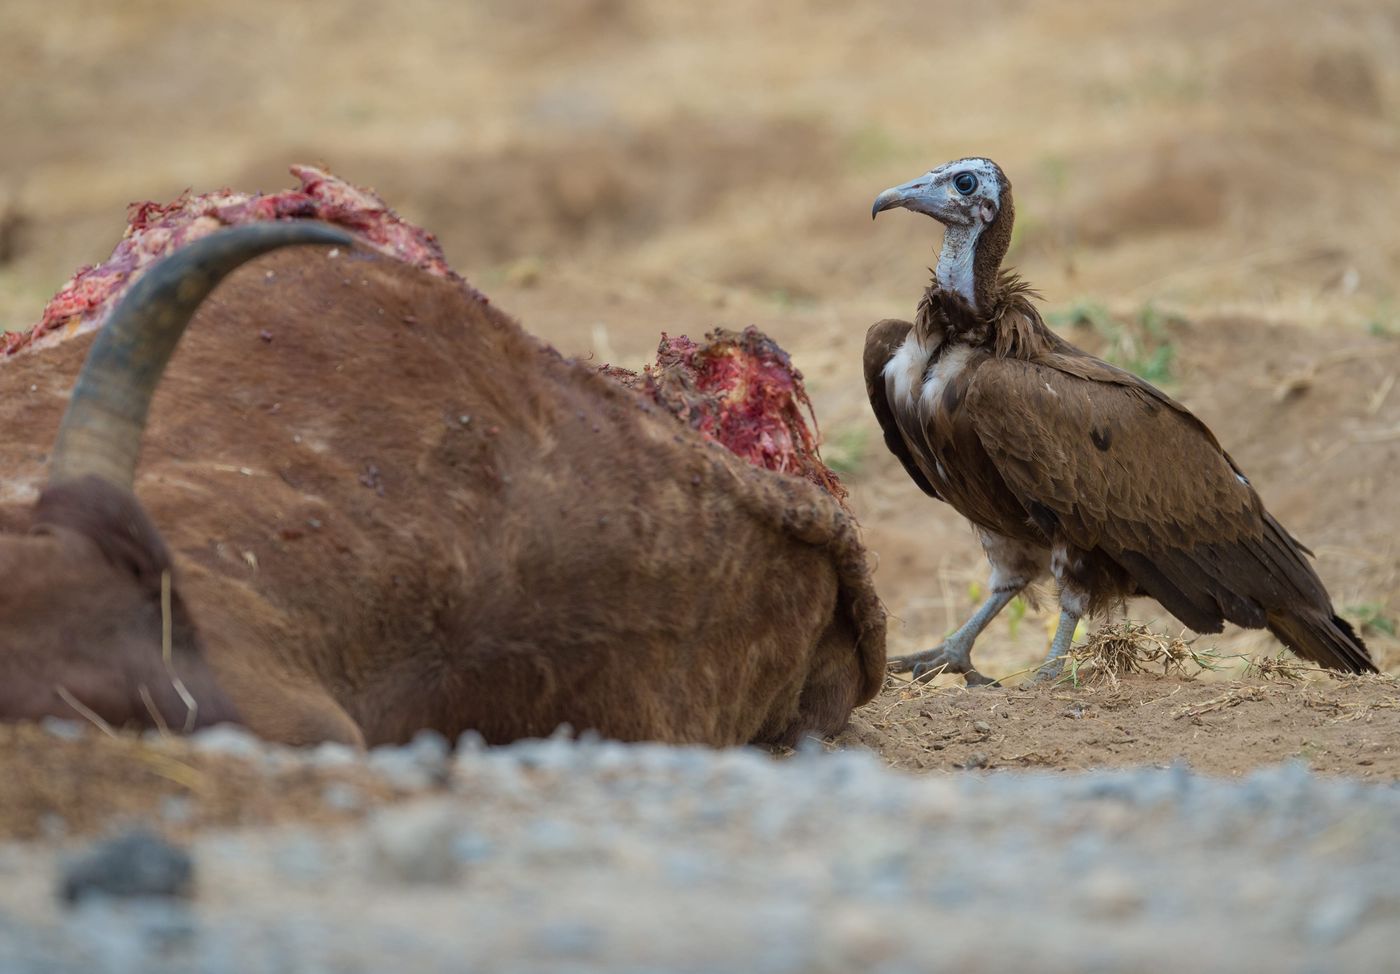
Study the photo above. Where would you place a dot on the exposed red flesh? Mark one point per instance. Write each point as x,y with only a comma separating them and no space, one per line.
156,229
740,390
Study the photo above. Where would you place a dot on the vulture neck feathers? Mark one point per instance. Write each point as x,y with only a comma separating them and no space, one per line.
972,301
969,263
1011,327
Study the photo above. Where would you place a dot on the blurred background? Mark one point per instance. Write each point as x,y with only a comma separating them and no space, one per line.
1206,192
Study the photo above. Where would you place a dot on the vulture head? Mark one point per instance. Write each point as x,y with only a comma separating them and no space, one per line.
972,199
962,193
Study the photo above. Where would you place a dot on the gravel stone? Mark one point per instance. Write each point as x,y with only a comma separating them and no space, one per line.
68,730
472,847
301,857
228,739
415,843
590,856
573,940
1333,920
342,797
53,826
138,863
331,754
177,810
417,766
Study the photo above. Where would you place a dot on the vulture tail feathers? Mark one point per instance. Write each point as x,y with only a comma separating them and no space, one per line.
1306,623
1163,580
1328,641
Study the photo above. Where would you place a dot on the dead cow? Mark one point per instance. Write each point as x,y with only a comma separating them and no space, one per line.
385,507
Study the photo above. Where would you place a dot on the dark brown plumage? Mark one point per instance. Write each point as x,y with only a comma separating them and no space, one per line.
1067,465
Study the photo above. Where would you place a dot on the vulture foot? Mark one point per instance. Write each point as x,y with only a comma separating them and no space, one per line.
954,654
1048,672
946,658
1054,664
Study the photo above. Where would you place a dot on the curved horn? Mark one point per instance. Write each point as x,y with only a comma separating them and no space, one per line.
101,431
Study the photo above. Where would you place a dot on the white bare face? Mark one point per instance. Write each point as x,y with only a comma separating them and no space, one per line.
963,195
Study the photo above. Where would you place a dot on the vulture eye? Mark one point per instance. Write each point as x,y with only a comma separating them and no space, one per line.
965,183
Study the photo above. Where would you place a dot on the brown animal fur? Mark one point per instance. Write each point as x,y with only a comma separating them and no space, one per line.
388,508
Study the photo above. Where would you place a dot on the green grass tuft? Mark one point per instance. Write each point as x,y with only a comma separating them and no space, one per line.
844,450
1142,345
1370,617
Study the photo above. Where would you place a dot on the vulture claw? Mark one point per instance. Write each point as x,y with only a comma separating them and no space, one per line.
921,664
934,662
902,664
1054,664
1048,672
926,671
974,679
954,654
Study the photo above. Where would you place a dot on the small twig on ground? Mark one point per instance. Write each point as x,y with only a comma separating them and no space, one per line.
1278,668
1379,396
1230,698
173,769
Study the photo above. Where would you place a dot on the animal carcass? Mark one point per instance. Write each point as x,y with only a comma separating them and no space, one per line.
368,503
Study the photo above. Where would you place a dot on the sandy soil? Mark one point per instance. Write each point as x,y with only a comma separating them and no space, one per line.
77,783
81,782
1228,728
1198,177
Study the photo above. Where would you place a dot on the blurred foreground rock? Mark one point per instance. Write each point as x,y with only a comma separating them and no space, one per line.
598,856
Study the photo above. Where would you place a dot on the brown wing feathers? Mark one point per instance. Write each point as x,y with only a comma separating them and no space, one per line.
881,341
1066,446
1127,471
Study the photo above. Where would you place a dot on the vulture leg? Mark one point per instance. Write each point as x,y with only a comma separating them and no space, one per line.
954,654
1015,564
1055,659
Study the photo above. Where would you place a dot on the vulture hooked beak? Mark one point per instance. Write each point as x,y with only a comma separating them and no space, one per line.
918,195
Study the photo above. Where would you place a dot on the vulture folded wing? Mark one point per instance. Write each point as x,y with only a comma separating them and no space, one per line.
1117,466
881,342
1105,461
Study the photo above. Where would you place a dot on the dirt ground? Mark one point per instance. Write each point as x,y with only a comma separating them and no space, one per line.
81,782
1204,191
1227,728
59,786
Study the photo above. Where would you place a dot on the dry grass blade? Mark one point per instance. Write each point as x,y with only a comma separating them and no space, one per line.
164,765
173,769
1274,668
166,638
88,714
909,688
1230,698
1120,648
153,710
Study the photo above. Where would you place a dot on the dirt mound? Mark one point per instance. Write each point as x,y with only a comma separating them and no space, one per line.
1337,77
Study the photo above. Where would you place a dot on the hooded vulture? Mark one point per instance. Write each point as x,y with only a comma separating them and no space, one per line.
1067,466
